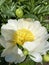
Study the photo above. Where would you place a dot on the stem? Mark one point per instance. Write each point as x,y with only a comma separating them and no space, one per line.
9,63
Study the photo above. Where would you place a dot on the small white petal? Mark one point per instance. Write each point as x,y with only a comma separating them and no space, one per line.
19,59
8,50
35,26
13,54
7,34
30,46
8,29
41,32
46,47
2,41
10,58
43,47
12,21
16,50
19,55
23,23
36,57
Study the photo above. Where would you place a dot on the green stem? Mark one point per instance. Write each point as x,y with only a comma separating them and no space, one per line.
9,63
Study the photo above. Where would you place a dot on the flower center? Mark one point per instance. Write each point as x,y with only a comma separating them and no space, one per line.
23,35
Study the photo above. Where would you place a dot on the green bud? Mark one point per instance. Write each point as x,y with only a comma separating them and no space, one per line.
19,12
25,52
46,58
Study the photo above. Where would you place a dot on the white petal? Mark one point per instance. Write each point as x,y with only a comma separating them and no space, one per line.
20,56
6,51
42,31
13,54
10,58
35,26
43,47
30,46
16,58
23,23
46,47
36,57
7,30
12,21
19,59
47,37
2,41
44,37
16,50
38,30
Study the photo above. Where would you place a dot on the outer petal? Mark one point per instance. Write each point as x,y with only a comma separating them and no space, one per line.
24,23
10,58
43,47
7,51
2,41
13,54
19,55
8,29
30,46
41,32
38,30
35,26
36,57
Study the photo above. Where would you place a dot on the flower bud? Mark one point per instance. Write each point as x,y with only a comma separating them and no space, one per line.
46,58
19,12
25,52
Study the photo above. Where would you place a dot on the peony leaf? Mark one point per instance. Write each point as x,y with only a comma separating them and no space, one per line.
28,61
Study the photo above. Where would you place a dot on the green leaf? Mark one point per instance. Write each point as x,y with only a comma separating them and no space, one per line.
28,62
41,8
36,8
31,16
1,2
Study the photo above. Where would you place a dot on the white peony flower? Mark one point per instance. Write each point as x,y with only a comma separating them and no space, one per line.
30,34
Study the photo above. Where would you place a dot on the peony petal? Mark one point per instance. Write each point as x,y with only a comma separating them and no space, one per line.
10,58
23,23
6,51
2,41
19,59
43,47
8,29
46,47
41,32
36,57
13,54
20,56
30,46
38,30
16,50
35,26
12,21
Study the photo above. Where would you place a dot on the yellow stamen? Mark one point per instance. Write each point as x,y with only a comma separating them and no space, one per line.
23,35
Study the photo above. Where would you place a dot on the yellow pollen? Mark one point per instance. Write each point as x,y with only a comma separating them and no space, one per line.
22,35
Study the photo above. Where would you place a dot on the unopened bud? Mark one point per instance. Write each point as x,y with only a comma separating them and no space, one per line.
25,52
